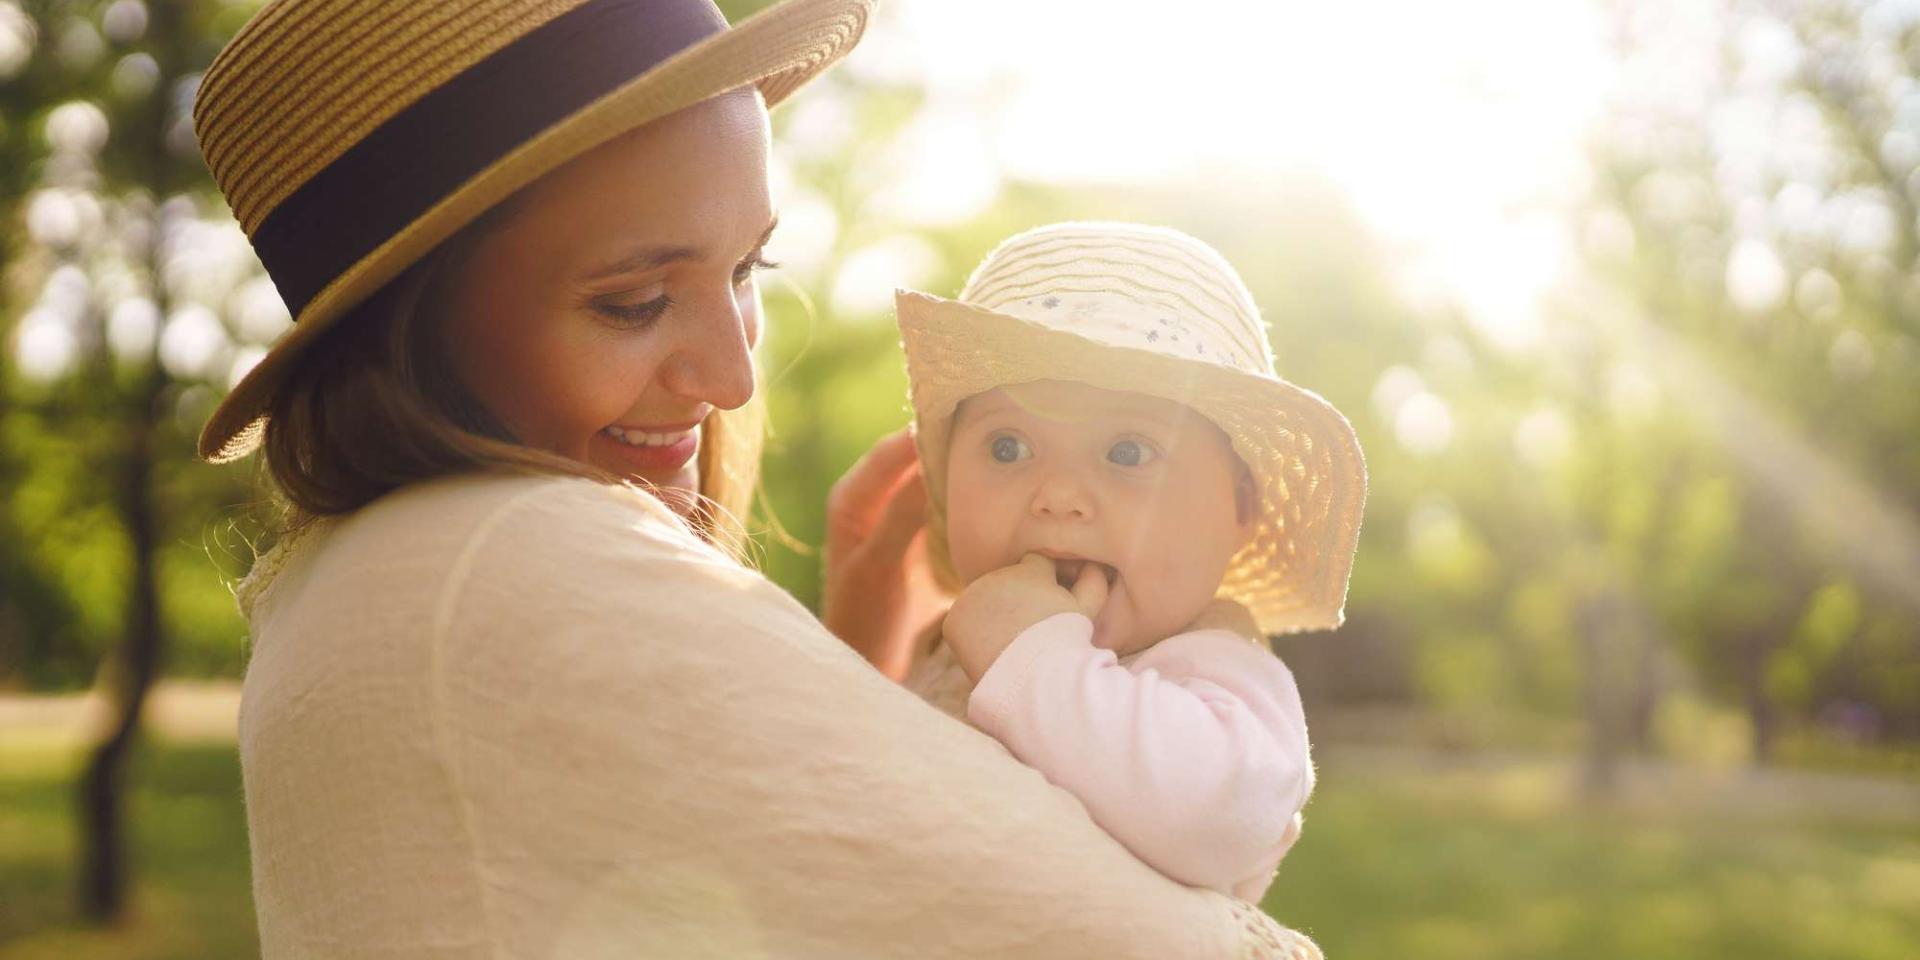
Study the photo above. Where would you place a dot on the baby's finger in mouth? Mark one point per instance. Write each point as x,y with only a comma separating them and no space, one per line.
1090,587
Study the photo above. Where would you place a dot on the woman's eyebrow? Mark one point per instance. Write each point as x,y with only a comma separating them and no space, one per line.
652,258
646,259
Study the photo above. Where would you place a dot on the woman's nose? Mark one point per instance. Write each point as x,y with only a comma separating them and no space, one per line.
1062,497
714,364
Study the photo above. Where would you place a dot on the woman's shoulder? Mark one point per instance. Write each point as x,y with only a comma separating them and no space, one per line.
408,543
505,513
470,500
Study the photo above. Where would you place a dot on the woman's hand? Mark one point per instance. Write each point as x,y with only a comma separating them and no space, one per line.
879,592
1002,604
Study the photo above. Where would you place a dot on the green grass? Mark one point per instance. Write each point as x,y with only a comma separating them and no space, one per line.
1511,863
188,857
1400,858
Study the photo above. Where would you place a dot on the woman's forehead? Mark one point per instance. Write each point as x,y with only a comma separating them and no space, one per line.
694,180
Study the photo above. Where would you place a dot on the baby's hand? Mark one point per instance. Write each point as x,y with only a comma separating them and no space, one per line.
1225,614
998,606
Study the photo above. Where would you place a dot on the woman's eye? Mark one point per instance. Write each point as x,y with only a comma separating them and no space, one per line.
634,314
1010,450
751,265
1131,453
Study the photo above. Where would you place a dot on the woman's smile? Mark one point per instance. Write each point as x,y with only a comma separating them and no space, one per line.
649,452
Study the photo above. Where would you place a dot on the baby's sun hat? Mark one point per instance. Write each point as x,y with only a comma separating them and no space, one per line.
1150,310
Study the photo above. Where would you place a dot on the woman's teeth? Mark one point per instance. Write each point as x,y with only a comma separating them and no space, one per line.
636,438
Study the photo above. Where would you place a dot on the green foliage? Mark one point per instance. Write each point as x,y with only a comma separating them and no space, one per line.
1483,559
1795,343
1633,531
73,439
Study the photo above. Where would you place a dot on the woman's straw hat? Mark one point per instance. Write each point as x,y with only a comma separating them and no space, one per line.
352,136
1154,311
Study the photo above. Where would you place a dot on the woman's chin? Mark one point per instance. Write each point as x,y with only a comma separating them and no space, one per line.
678,489
676,466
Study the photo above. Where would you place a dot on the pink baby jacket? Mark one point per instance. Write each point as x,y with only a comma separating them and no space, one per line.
1193,753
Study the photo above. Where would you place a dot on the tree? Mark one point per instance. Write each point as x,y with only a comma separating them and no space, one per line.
108,350
1753,244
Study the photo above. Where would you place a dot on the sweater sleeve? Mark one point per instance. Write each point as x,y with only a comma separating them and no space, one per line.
1195,758
659,753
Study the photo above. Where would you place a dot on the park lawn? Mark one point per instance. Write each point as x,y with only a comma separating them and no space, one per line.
1396,861
1509,862
187,829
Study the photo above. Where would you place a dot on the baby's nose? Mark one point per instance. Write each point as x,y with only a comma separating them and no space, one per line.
1062,498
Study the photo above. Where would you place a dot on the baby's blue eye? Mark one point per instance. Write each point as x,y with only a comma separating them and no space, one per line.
1129,453
1009,450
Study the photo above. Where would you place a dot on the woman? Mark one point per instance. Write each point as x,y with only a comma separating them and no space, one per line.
510,694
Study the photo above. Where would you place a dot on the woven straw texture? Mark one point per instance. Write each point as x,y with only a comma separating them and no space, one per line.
1268,940
301,83
1129,308
305,80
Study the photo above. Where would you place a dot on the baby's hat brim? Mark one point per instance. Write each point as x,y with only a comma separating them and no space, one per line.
1305,457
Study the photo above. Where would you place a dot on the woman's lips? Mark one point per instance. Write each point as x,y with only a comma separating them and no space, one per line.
651,456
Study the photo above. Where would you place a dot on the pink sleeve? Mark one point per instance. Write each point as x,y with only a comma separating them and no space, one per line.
1195,758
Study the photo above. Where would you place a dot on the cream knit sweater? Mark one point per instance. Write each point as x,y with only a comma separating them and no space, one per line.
510,717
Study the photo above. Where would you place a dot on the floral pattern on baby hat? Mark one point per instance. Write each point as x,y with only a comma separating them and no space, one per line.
1114,318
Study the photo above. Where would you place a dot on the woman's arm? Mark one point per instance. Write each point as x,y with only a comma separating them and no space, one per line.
658,751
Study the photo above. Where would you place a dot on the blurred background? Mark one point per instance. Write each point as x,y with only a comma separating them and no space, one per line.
1621,298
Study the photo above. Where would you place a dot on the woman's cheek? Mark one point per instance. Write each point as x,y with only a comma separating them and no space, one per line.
622,374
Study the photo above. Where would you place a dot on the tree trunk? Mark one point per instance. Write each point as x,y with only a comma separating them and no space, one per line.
1647,692
104,874
1601,654
1761,717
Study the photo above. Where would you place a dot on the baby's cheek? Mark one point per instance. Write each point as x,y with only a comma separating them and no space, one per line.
978,536
1185,588
1152,599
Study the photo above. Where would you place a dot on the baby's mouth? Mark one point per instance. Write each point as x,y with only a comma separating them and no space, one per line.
1066,571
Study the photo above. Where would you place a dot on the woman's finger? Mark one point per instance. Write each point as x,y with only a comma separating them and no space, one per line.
858,498
1090,589
905,512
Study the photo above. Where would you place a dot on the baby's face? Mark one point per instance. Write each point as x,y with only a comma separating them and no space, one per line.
1145,487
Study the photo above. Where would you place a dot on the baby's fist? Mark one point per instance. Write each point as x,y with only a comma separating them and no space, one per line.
998,606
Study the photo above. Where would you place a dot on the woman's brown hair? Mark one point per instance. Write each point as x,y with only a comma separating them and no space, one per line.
376,406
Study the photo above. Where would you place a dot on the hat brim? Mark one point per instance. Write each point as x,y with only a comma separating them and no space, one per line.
777,50
1305,457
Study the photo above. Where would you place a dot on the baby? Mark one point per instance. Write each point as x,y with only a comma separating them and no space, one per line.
1103,436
